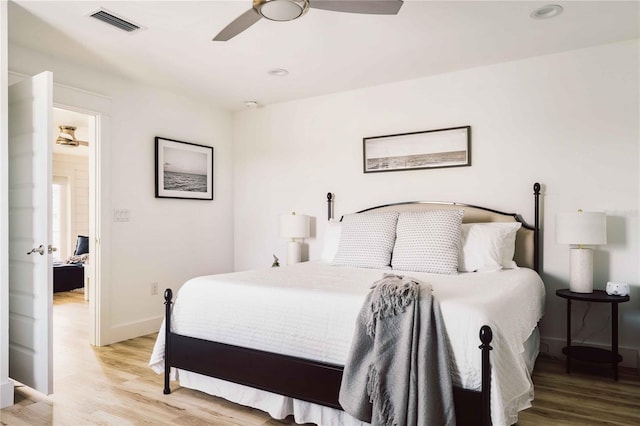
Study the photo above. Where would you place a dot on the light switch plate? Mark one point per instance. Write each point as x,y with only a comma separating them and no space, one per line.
121,215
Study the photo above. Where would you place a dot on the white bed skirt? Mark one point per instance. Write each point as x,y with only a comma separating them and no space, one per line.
277,406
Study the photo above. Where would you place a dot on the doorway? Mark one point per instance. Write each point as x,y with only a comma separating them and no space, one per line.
73,137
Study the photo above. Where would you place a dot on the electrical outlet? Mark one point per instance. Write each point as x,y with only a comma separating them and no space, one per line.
154,289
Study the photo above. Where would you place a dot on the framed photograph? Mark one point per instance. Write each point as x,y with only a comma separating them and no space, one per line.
430,149
183,170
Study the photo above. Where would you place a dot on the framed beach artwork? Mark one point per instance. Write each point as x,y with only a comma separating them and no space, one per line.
429,149
183,170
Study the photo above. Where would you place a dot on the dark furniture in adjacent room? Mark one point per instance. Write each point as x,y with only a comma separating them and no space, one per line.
69,276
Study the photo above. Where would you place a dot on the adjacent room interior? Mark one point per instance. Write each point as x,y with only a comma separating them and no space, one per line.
71,136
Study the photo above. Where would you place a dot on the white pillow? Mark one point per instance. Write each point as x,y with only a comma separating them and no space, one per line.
488,246
367,240
428,241
331,240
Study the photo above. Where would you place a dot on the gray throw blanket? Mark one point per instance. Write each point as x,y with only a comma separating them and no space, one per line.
397,372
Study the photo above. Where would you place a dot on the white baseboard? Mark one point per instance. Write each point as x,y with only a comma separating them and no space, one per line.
553,347
6,394
127,331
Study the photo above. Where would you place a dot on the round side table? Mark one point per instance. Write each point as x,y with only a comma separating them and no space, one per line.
586,353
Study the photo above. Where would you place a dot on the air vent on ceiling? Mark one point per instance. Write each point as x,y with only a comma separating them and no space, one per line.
117,22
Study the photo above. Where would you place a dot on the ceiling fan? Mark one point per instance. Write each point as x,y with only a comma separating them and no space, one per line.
67,137
288,10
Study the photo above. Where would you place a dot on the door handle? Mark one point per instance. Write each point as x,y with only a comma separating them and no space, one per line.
51,249
37,250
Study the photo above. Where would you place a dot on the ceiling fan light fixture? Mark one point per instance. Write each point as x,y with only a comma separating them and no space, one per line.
67,142
281,10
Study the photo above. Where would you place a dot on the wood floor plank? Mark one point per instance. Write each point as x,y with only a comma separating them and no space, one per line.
113,385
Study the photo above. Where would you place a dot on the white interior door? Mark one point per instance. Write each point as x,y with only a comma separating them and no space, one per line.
30,275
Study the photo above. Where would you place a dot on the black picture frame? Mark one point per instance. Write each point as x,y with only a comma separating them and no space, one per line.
429,149
183,170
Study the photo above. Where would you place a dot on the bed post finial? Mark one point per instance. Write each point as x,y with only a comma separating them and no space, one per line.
329,205
168,295
536,230
486,336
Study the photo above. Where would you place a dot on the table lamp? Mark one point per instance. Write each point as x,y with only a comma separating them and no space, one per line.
294,226
581,229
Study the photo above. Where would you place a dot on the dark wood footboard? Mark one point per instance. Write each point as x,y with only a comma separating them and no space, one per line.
299,378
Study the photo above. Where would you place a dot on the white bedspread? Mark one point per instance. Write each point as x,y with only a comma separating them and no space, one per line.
309,310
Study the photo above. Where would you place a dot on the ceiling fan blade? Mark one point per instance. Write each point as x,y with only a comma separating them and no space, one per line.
240,24
83,143
372,7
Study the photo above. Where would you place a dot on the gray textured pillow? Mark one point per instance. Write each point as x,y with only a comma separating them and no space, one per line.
367,240
428,241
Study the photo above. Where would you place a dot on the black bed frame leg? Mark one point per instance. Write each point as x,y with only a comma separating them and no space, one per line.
486,336
168,295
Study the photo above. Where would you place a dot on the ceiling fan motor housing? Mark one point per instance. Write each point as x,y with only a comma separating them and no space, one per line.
287,10
67,136
281,10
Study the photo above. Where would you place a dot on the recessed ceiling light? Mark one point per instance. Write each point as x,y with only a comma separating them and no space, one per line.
547,11
251,104
278,72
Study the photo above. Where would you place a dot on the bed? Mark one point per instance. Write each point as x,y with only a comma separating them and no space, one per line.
258,360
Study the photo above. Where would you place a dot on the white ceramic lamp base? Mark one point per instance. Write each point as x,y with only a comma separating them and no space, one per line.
294,252
581,270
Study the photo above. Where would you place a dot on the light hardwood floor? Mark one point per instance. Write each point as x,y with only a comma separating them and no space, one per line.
114,386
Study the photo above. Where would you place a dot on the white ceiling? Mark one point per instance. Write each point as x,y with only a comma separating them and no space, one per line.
325,52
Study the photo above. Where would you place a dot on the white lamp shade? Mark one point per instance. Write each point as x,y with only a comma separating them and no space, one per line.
294,226
581,228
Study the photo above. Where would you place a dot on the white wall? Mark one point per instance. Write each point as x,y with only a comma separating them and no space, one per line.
569,121
166,241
